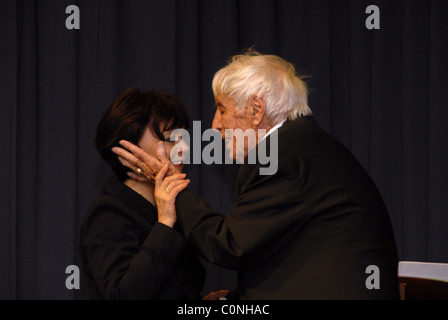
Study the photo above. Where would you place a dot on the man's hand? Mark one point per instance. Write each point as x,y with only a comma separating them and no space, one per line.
144,166
216,295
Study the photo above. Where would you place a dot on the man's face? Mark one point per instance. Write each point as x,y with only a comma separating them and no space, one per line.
227,119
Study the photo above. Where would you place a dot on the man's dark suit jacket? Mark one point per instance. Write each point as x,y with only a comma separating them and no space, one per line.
309,231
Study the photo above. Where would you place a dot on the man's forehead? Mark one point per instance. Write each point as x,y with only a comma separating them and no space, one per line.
222,100
218,99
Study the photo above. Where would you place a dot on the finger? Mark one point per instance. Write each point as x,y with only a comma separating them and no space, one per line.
169,184
161,175
175,183
220,294
126,163
137,177
151,165
138,152
174,177
164,158
176,190
216,295
161,151
173,170
127,158
133,175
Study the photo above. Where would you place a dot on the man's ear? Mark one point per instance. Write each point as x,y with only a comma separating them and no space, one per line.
258,109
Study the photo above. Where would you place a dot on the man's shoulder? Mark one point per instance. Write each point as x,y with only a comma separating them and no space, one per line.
298,129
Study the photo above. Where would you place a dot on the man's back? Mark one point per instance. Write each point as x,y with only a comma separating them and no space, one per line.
339,227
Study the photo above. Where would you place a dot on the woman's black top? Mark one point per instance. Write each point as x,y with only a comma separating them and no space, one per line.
127,254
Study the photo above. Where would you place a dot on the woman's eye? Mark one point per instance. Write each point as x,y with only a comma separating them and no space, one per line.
167,140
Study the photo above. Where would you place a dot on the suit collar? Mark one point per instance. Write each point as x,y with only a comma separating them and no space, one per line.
132,199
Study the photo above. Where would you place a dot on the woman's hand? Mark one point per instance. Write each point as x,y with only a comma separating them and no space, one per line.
166,190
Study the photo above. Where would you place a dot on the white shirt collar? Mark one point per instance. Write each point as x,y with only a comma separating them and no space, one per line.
276,127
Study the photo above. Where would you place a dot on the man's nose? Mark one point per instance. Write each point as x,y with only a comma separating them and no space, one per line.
216,124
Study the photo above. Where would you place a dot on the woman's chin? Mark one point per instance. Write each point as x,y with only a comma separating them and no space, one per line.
179,167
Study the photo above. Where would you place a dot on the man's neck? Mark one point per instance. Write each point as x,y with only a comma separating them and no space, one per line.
271,129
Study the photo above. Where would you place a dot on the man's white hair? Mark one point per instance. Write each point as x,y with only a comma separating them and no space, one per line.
270,78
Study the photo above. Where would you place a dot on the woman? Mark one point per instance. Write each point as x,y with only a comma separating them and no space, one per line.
129,250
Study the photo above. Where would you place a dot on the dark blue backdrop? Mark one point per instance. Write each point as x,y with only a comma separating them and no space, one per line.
383,93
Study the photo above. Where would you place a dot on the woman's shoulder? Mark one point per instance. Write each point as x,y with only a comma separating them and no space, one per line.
104,210
117,197
119,204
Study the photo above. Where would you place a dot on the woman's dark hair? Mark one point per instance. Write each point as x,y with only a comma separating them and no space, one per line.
129,115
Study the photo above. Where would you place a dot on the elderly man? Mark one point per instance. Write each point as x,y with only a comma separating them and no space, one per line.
315,229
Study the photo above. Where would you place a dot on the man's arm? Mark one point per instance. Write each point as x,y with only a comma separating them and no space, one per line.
268,213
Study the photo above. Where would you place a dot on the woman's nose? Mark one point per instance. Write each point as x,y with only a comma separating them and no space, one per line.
182,149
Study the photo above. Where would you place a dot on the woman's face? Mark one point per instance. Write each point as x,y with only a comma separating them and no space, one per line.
149,141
